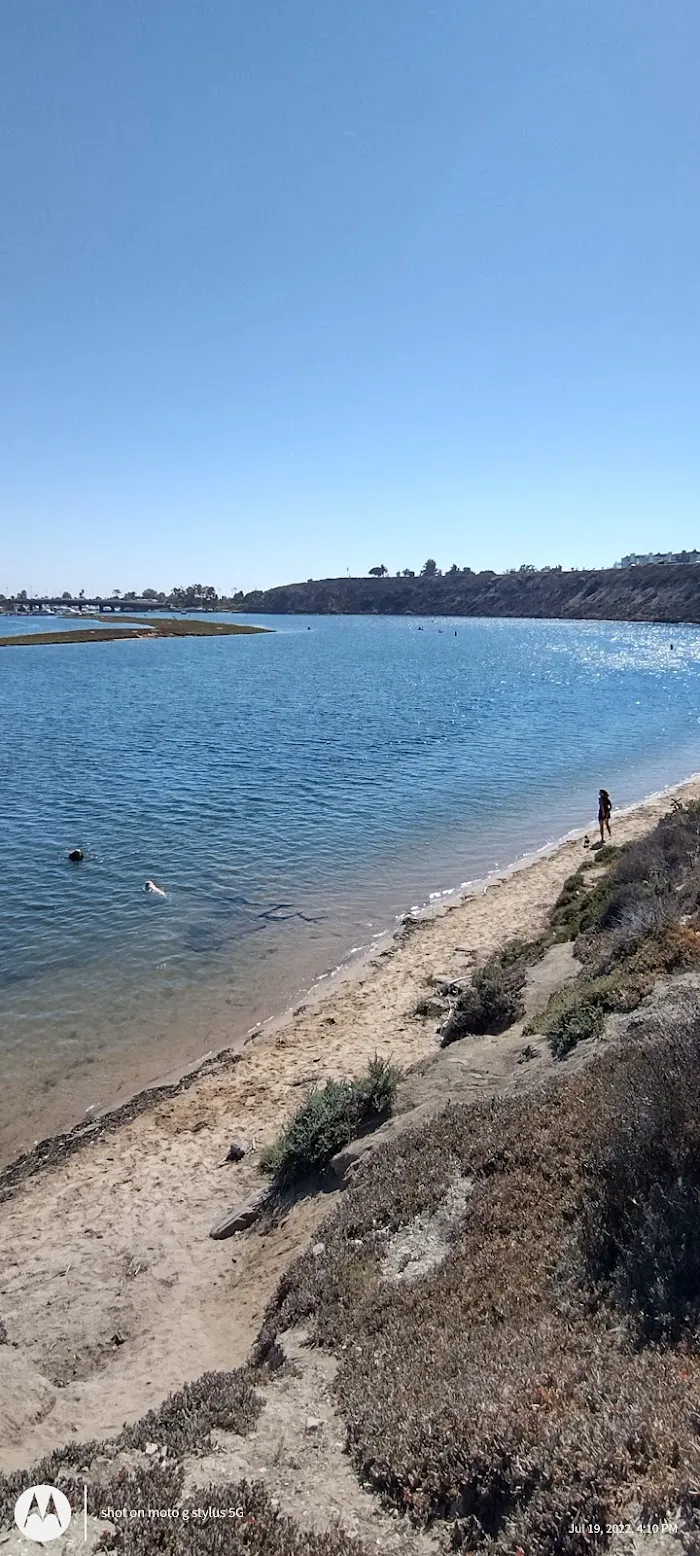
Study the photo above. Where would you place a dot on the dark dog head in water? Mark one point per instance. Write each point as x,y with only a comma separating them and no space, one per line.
75,855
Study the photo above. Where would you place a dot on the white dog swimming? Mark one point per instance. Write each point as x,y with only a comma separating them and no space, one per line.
151,886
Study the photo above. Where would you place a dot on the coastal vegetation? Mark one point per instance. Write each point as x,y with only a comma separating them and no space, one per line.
637,922
540,1383
526,1377
143,1469
493,999
157,627
658,592
633,916
328,1119
190,597
662,591
640,1230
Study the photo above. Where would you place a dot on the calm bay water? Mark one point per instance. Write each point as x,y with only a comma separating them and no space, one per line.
292,794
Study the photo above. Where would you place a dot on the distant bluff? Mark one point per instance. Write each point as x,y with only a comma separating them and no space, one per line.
660,592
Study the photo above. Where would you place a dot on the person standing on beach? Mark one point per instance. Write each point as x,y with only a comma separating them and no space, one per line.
604,813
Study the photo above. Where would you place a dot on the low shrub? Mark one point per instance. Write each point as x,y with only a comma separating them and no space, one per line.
604,855
644,921
623,903
629,929
465,1018
490,1004
259,1528
497,1396
185,1420
641,1222
664,861
643,861
668,853
521,953
575,1024
493,1000
578,1011
578,905
499,998
329,1118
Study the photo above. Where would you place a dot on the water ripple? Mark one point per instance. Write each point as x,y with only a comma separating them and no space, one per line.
290,791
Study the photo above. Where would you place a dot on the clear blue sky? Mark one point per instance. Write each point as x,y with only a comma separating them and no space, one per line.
292,287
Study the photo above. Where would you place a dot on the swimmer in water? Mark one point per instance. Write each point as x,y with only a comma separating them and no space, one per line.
151,886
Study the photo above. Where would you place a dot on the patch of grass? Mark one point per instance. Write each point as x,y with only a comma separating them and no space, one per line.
493,1000
329,1118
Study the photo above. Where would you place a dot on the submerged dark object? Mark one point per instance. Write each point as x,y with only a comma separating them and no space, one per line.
75,855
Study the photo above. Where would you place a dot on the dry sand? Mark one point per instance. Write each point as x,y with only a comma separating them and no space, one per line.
111,1291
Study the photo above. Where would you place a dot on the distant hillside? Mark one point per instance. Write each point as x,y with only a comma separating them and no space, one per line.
655,593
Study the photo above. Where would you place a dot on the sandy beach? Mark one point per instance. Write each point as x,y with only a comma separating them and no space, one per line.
111,1291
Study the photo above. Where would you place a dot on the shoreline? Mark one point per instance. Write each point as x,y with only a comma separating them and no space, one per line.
180,1077
112,1292
137,630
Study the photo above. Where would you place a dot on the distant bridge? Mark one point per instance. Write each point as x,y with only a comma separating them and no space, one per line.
41,602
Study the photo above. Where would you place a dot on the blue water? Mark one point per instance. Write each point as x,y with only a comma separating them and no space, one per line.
292,793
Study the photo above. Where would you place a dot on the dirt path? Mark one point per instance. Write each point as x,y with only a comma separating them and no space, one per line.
298,1449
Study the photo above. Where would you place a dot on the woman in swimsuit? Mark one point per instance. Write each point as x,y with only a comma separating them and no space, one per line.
604,813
